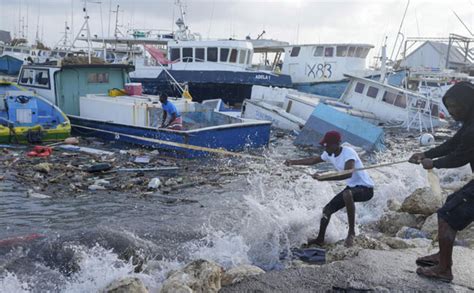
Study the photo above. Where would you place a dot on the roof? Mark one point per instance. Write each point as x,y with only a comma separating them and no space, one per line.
455,55
5,37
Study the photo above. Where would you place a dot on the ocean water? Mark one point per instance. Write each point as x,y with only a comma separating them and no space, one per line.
87,241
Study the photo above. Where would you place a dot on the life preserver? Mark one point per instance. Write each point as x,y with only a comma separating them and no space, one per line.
40,151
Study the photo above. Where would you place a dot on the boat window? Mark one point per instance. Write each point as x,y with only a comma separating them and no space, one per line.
372,92
27,76
199,55
242,56
224,54
433,84
328,51
295,51
17,50
359,88
389,97
318,52
62,54
341,51
401,101
35,77
233,56
98,78
365,52
248,57
187,54
434,110
33,53
359,52
212,54
351,52
27,51
8,49
175,54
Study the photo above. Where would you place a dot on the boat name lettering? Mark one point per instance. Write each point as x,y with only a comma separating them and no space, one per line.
262,76
320,70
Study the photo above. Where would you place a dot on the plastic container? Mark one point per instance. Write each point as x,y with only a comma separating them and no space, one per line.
134,89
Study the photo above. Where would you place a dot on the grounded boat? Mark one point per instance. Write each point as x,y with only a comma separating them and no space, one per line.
210,69
290,109
392,104
28,118
86,94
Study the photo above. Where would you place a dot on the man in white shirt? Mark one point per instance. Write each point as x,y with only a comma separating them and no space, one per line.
360,186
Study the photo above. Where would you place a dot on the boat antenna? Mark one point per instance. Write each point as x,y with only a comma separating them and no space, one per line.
85,27
399,33
37,37
459,18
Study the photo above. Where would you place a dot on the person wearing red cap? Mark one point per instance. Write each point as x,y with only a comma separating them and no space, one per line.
360,186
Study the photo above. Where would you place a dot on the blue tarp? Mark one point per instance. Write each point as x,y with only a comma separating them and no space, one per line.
354,130
10,65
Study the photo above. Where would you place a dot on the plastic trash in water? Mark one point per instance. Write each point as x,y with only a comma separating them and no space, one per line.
142,160
154,183
426,139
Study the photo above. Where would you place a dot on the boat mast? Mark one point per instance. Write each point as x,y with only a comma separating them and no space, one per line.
85,27
399,33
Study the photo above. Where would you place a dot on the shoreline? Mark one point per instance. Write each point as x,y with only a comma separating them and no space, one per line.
370,270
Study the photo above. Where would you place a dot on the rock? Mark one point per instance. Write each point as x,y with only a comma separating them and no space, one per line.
198,276
126,285
340,252
390,223
393,205
430,227
396,243
43,167
410,233
466,236
154,183
239,273
421,201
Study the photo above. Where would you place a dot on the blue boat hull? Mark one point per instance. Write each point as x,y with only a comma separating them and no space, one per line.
10,65
179,143
353,129
231,87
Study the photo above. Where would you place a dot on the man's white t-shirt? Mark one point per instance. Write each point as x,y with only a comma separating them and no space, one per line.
358,177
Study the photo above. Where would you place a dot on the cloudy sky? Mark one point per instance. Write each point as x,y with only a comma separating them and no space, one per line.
295,21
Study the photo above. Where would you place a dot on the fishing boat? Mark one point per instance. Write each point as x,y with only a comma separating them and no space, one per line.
88,94
28,118
393,105
289,109
210,69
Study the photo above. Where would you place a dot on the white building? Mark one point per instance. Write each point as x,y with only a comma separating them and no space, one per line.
436,55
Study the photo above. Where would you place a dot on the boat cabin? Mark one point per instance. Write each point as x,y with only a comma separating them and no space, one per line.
324,62
230,55
390,103
64,85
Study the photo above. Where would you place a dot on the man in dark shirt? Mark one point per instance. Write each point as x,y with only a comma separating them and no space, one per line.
458,211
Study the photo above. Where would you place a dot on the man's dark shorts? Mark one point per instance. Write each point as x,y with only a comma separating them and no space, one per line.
359,194
458,210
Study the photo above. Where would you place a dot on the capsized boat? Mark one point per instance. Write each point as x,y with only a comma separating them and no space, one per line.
28,118
87,94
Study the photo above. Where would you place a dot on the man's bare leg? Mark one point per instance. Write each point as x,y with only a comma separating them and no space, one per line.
350,207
